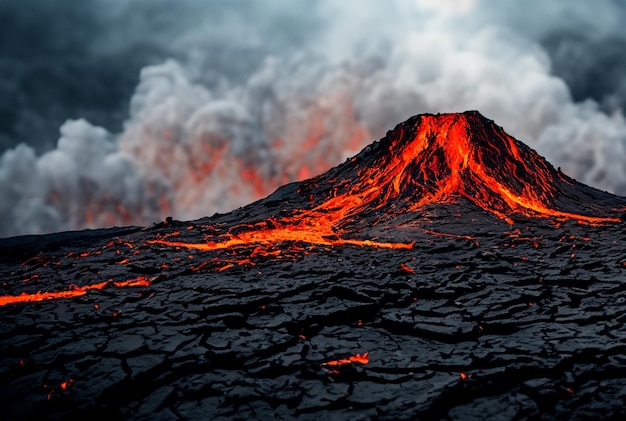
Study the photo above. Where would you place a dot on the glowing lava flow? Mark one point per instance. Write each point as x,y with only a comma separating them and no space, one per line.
319,235
74,292
430,159
358,358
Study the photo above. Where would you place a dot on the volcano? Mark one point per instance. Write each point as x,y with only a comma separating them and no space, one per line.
446,271
441,158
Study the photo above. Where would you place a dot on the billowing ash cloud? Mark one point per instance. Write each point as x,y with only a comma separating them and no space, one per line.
211,105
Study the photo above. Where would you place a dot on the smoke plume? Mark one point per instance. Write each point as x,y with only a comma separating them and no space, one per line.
206,106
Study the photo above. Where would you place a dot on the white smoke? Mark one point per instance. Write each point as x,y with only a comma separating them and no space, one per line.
202,137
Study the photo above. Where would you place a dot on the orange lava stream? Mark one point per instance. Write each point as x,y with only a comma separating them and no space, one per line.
358,358
445,234
74,292
277,235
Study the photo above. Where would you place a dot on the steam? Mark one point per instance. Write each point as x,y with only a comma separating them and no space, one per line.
243,99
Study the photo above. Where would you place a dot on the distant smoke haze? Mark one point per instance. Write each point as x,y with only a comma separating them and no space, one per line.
124,112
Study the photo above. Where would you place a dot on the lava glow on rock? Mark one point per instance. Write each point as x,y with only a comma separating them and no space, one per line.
439,158
358,358
73,291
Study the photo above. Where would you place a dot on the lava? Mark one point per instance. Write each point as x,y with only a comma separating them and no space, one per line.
358,358
76,291
405,269
273,236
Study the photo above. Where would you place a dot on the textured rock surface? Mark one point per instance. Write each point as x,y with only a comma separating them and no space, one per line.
532,314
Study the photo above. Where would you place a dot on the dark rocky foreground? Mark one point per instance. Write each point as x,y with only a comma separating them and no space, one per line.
523,321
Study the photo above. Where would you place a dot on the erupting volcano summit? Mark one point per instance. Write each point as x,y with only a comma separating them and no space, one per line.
445,272
437,159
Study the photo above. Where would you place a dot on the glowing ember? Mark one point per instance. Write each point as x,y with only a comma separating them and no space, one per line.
405,269
61,387
66,385
358,358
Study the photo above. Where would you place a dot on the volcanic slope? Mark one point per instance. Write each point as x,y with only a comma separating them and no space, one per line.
439,158
445,272
427,160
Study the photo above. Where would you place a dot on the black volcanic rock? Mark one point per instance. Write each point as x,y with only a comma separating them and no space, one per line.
390,287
